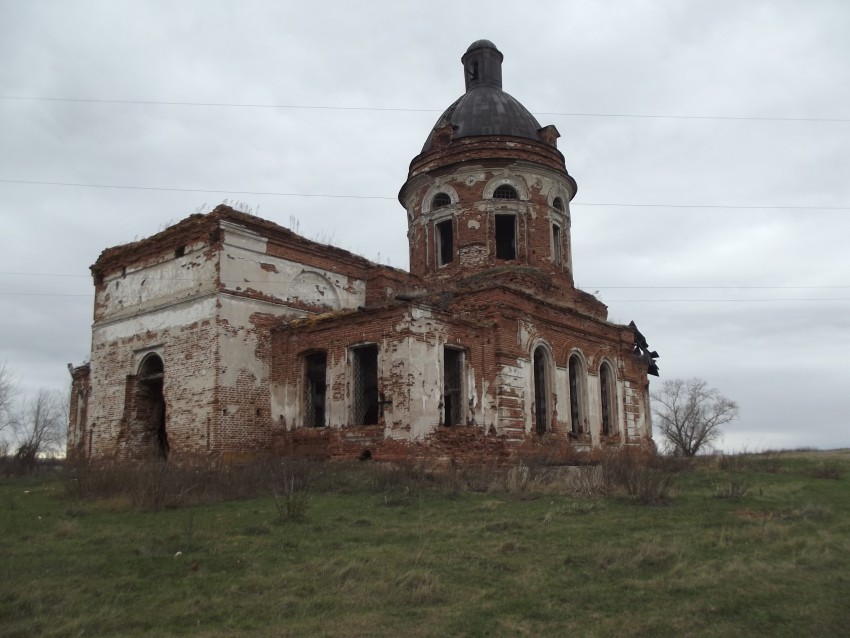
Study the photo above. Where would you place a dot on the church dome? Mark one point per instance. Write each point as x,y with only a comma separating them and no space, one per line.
485,109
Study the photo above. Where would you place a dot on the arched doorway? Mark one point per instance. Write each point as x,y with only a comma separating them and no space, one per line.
542,412
150,407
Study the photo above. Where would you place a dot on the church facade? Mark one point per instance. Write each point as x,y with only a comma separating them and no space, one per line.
227,335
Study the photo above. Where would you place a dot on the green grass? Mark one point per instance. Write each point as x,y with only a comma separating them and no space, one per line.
371,555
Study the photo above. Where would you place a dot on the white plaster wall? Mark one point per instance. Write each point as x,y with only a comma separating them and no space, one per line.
154,319
246,266
512,385
594,408
561,403
640,425
286,400
167,282
416,400
238,339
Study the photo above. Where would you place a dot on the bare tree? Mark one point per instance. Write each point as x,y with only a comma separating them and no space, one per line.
8,391
691,414
40,427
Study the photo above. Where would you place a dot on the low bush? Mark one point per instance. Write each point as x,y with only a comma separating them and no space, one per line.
732,489
645,479
826,470
149,485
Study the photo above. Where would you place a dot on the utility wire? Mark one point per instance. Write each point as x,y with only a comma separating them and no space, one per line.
385,197
411,110
607,301
189,190
583,287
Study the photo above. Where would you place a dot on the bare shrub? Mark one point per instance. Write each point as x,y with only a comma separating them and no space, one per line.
732,463
290,495
406,477
474,478
579,480
735,490
157,484
637,475
291,504
826,470
768,461
517,478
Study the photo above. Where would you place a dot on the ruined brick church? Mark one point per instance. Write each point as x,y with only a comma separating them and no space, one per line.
227,335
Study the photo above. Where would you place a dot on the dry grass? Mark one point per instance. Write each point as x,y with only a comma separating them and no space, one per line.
425,550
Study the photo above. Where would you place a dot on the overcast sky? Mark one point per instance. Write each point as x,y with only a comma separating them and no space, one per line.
710,141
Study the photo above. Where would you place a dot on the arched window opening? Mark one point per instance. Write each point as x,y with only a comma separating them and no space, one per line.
445,245
556,244
541,390
607,391
440,200
576,374
558,204
150,407
505,191
505,237
315,369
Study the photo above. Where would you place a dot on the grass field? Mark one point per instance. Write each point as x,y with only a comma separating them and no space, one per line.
743,546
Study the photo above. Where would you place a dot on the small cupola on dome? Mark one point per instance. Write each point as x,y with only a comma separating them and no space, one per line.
482,64
485,109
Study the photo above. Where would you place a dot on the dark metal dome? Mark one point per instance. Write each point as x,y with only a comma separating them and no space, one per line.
485,109
481,44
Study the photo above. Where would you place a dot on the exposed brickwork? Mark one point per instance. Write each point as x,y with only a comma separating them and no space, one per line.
484,352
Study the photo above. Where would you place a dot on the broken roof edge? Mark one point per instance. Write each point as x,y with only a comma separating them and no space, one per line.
199,225
434,302
442,303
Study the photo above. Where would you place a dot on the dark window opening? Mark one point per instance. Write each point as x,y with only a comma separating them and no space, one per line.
180,251
440,201
576,387
473,71
541,391
556,244
452,386
505,237
314,401
606,387
558,204
366,385
505,191
445,249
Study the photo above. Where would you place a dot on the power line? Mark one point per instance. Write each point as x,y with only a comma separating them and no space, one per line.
583,287
42,294
40,274
410,110
607,301
386,197
712,287
189,190
723,206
